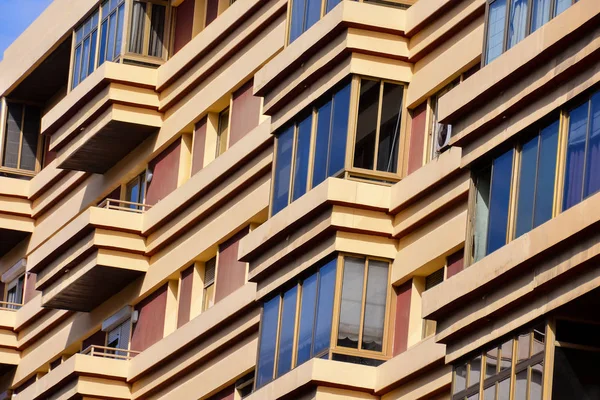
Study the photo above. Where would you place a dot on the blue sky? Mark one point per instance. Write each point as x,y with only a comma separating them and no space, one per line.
15,17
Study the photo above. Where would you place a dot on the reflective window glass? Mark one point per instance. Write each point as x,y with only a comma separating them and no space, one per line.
389,135
499,201
517,23
544,198
495,28
540,13
286,335
351,307
573,187
268,339
322,143
307,319
339,130
592,164
375,302
366,130
302,153
283,165
325,307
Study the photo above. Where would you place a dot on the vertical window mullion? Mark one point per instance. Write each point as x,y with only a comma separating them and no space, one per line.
311,149
296,325
276,357
316,307
585,149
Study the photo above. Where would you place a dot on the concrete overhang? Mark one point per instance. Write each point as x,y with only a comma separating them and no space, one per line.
90,259
16,222
350,28
82,375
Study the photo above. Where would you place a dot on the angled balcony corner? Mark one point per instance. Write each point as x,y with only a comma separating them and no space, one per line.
104,118
16,223
90,259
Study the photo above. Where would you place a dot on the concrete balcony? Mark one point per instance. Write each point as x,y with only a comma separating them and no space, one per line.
89,260
15,213
104,118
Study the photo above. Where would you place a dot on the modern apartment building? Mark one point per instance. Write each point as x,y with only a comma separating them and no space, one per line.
301,199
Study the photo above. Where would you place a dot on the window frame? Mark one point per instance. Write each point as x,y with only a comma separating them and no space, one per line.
167,33
4,104
507,23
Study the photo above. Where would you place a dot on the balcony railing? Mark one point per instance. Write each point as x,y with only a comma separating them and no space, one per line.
7,305
123,205
110,352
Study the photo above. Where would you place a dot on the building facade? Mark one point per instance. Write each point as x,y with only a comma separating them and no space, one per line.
301,199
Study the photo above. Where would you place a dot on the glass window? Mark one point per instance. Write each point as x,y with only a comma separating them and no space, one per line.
351,304
135,192
268,340
540,13
85,60
517,23
302,153
14,292
495,30
482,211
561,5
372,338
307,319
324,308
499,201
222,132
286,336
21,137
305,13
208,295
283,166
147,12
378,125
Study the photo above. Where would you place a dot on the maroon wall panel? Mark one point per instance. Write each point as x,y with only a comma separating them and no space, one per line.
417,139
184,22
30,291
97,339
185,296
402,317
455,263
199,145
245,112
225,394
49,156
231,273
150,326
165,169
212,11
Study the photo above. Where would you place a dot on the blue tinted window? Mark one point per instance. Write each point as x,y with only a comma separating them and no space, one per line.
119,33
527,176
313,13
331,4
495,27
112,28
592,167
339,130
307,319
102,53
286,336
575,156
517,23
544,198
389,131
77,66
302,152
283,164
499,201
92,61
561,5
324,307
268,339
482,214
322,144
540,13
297,19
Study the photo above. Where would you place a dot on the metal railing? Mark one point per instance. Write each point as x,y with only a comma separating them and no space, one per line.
109,352
7,305
123,205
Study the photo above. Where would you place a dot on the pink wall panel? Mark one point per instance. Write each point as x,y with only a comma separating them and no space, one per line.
150,326
417,139
245,112
402,317
165,169
184,22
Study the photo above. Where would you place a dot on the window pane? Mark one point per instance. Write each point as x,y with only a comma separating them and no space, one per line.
103,38
499,201
157,31
495,36
286,338
523,346
112,31
592,164
540,14
506,355
331,4
92,60
475,372
119,33
313,13
526,193
375,306
504,390
474,397
575,156
544,198
297,21
307,318
521,385
561,5
539,336
491,362
14,122
77,66
136,37
364,147
460,379
352,294
482,213
301,165
535,386
389,134
324,307
322,144
283,163
31,133
490,393
268,339
85,58
517,23
339,131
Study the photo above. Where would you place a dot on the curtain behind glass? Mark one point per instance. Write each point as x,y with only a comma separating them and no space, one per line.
540,14
157,31
136,38
518,22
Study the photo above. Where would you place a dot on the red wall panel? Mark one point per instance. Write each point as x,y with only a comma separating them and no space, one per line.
30,291
231,273
417,138
402,317
212,11
150,326
245,112
199,145
455,263
185,296
184,22
165,169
